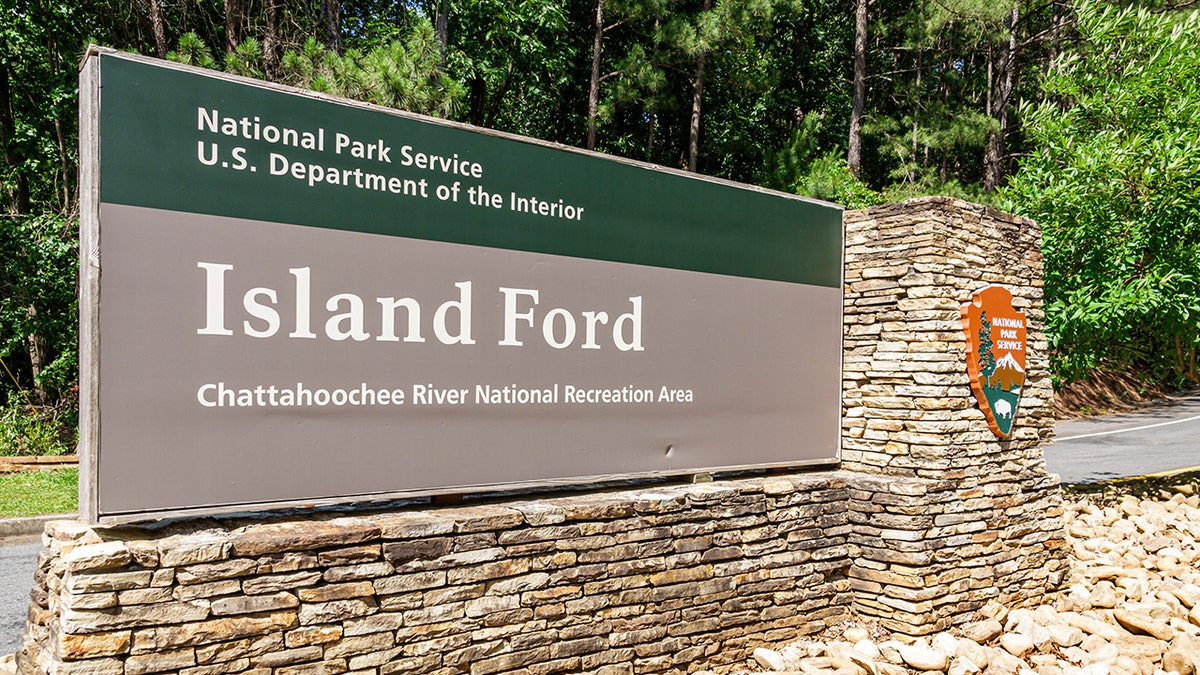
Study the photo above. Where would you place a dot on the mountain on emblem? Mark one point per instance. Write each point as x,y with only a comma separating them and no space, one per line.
995,334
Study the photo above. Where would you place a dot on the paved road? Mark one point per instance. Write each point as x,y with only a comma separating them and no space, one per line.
18,560
1162,439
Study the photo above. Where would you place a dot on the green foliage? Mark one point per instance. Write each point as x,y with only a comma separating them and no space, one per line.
521,64
37,493
830,179
927,185
193,52
1115,185
30,433
400,73
802,168
38,257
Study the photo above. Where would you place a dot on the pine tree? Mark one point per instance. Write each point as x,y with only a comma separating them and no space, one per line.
987,360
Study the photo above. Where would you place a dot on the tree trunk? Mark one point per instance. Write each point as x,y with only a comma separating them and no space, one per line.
594,85
157,30
857,109
477,101
916,110
1003,82
271,41
331,22
7,132
442,27
1060,15
37,358
697,99
235,23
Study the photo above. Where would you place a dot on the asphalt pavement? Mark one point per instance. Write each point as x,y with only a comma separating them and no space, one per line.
1162,439
18,560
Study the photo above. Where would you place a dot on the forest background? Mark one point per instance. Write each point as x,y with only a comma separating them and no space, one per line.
1081,114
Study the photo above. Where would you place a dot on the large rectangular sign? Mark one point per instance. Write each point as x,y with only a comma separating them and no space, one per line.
292,299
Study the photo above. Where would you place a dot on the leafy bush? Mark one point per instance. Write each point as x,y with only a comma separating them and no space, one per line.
38,260
1115,185
800,168
26,432
829,178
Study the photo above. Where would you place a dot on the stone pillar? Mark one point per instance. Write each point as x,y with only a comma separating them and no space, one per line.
945,515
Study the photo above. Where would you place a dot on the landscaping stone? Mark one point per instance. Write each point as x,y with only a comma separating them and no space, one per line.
1116,546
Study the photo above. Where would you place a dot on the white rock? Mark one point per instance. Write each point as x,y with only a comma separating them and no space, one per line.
963,667
856,634
1039,637
1183,655
890,652
923,658
769,659
945,643
1064,635
983,631
1188,594
867,649
973,652
1016,644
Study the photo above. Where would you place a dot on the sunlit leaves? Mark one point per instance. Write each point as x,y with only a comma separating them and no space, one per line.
1116,187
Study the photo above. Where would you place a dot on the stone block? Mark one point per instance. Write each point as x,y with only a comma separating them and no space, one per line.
256,540
206,572
349,555
262,585
100,582
287,657
238,649
335,610
413,525
160,661
102,556
77,647
183,550
313,635
358,589
253,604
102,666
134,616
218,630
144,596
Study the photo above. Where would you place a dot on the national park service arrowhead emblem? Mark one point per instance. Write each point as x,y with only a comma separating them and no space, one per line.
995,355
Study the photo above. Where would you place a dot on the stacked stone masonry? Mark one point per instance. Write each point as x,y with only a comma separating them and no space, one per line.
668,579
945,515
931,516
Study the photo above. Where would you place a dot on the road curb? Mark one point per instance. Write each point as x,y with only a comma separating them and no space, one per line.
23,527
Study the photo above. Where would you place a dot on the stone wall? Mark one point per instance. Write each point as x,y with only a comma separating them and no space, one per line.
667,579
945,514
931,516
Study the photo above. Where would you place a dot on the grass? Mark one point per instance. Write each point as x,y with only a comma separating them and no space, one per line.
36,493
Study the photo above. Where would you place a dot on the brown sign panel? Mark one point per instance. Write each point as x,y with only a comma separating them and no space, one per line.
290,300
996,345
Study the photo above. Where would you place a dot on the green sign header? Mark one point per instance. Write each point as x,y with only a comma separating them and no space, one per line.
208,145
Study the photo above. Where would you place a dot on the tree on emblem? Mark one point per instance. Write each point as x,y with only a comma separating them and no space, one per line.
987,360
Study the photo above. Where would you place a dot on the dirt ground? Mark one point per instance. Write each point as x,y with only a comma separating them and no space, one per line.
1107,393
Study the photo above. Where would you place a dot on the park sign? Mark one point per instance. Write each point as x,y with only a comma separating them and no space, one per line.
290,299
996,342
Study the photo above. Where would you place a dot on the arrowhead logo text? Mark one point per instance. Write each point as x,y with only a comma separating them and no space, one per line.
995,355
